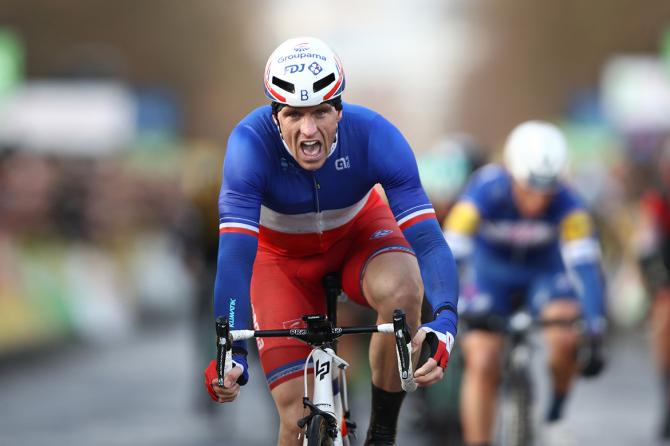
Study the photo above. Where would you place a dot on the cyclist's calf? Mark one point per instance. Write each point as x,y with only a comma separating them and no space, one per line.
482,355
288,399
563,342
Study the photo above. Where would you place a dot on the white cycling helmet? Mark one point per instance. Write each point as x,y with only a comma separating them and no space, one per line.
536,154
303,72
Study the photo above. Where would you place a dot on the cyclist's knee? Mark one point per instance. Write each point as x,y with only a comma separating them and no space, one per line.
563,340
393,280
397,292
561,309
481,352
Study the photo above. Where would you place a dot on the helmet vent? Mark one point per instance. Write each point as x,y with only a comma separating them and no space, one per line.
286,86
324,82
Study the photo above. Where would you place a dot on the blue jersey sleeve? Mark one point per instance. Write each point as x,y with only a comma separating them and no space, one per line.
580,249
241,194
395,169
397,172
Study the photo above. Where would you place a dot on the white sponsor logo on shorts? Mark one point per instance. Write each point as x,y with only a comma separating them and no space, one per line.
380,233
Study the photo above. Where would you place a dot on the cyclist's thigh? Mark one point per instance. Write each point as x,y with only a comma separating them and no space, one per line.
553,297
552,289
486,300
283,289
377,233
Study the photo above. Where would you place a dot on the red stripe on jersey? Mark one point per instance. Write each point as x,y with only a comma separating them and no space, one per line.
238,231
417,219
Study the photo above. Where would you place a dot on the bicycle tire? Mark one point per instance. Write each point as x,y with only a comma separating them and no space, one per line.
317,432
516,428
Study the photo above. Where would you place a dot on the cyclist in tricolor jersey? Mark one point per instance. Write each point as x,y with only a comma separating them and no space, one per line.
524,232
297,201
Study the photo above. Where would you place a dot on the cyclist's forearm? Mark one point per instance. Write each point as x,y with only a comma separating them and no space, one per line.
438,268
582,257
591,288
233,277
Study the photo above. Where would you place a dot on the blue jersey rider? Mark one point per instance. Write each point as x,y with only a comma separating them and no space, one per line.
524,233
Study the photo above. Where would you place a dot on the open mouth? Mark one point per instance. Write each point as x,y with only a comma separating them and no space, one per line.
311,149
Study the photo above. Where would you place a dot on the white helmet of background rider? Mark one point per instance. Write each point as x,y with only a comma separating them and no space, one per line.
303,72
536,154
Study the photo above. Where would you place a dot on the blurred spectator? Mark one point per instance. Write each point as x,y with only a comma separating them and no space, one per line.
446,166
82,245
653,243
199,234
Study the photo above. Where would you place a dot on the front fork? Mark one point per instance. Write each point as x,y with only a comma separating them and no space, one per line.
329,399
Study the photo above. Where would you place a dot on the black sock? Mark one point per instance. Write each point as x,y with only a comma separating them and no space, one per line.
556,407
384,413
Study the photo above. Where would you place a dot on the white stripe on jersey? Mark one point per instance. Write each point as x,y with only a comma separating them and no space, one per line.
578,251
416,214
238,225
311,222
518,233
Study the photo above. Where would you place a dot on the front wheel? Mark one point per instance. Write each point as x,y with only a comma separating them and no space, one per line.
319,432
516,428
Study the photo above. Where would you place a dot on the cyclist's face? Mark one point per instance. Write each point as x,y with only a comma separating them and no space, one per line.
531,202
309,132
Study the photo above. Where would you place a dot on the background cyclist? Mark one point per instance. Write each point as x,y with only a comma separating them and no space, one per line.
297,201
653,244
519,227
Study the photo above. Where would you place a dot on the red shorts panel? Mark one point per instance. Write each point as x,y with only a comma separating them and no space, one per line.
284,288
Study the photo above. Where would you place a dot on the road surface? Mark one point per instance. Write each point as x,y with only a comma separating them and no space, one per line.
144,391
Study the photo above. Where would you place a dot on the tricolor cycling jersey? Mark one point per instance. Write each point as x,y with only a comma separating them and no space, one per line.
486,223
268,198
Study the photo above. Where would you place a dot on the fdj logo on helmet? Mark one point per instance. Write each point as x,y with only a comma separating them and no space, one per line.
315,68
294,68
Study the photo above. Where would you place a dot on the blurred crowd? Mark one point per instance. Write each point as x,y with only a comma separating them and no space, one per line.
95,246
92,244
86,245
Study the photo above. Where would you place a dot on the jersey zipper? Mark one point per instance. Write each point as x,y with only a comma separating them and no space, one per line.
319,214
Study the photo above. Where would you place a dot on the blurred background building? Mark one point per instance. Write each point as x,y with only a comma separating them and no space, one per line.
114,118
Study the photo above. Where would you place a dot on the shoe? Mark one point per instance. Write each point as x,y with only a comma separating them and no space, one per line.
557,433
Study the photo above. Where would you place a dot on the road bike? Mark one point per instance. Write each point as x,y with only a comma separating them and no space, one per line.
514,414
515,424
329,421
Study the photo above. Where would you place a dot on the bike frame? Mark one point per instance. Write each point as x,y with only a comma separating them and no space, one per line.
328,368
